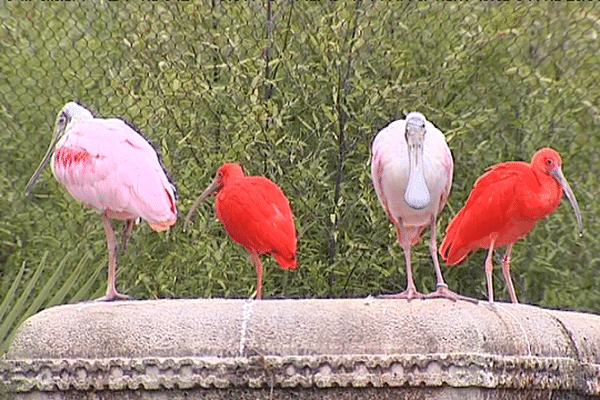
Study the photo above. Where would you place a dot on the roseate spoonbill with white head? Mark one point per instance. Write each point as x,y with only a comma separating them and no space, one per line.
110,166
505,204
256,214
411,168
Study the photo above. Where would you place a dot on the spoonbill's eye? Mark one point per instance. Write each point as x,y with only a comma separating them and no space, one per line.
62,118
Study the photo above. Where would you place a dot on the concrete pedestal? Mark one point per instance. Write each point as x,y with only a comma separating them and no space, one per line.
303,349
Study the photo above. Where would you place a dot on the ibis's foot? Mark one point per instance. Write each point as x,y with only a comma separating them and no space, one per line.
408,294
442,291
254,297
114,296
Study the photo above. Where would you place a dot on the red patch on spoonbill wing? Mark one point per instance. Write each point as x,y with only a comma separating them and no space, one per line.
131,144
66,156
173,208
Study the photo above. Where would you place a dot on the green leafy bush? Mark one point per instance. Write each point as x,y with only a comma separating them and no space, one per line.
295,91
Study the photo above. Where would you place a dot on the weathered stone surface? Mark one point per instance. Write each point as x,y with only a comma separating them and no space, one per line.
304,349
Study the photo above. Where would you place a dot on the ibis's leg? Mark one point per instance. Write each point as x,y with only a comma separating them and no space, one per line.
441,287
111,239
259,274
489,270
506,273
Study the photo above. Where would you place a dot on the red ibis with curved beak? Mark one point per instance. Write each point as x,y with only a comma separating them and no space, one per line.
256,214
505,204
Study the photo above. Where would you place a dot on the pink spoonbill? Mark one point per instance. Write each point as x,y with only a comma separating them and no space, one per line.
411,169
113,168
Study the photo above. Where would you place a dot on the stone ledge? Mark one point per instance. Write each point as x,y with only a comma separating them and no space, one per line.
307,345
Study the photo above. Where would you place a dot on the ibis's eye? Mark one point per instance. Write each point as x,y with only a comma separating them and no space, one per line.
549,161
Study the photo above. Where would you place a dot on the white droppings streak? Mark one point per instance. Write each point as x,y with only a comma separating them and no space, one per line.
505,309
247,311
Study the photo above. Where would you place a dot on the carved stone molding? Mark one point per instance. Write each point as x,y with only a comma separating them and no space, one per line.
325,371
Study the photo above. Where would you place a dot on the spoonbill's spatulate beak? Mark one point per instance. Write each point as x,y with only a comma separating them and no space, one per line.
58,131
417,194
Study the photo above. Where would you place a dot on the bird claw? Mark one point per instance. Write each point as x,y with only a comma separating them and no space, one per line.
408,294
442,291
116,296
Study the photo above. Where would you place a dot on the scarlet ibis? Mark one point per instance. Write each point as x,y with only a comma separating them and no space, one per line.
505,204
411,170
113,168
256,214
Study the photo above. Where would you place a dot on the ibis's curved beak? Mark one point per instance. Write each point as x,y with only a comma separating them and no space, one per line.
562,181
57,134
212,188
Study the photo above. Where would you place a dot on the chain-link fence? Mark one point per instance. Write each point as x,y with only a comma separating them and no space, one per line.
296,91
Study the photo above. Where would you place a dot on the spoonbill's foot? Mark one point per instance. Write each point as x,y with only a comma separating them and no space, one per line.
114,296
408,294
442,291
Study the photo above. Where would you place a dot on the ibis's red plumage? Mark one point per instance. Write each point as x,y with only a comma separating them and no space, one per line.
256,214
506,202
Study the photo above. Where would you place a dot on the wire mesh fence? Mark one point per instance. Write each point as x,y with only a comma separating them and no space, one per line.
295,91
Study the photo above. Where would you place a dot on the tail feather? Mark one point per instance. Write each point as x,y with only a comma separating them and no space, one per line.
286,262
163,225
453,249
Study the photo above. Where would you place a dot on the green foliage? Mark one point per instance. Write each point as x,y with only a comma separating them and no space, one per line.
17,307
295,91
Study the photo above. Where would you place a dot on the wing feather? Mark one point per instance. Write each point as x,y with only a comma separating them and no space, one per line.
484,214
256,214
124,174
